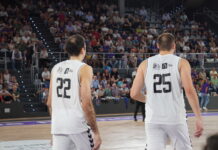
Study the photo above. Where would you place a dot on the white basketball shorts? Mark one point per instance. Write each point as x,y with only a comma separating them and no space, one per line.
82,141
158,135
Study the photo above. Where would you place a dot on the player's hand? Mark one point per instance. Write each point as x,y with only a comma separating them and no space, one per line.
199,128
97,142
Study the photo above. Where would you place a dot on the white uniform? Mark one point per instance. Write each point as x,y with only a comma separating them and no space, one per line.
165,108
69,127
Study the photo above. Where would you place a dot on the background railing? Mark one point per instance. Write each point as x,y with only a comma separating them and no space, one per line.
113,57
116,60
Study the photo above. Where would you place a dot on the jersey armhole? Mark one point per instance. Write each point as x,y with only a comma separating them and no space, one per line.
78,73
178,65
179,71
146,69
145,73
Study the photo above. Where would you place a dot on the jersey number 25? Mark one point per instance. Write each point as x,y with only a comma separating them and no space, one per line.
161,80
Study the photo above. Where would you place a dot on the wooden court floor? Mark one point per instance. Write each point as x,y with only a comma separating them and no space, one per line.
116,135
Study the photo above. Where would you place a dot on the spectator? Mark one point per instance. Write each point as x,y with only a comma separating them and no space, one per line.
43,58
120,82
70,27
107,74
5,95
16,59
202,74
107,91
214,81
95,83
94,93
89,17
14,81
143,12
115,73
28,54
124,91
17,38
25,38
213,73
103,82
100,92
134,73
43,94
138,105
46,75
204,94
6,76
15,93
115,91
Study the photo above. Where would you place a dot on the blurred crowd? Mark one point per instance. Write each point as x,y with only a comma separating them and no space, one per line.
17,40
9,88
109,85
126,39
113,42
206,84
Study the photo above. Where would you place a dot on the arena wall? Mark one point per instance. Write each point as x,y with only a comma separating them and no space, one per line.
15,110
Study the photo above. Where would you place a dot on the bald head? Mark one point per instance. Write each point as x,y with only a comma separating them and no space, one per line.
166,42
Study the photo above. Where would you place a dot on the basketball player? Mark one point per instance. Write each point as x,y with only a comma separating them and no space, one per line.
70,102
164,76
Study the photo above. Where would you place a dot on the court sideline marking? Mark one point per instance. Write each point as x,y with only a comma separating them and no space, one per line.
20,123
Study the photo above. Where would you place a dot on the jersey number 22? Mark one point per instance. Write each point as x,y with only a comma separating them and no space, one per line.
63,83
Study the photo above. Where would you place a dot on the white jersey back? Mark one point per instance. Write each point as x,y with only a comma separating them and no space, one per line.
165,101
67,113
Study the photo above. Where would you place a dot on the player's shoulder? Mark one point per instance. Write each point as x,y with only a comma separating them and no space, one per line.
86,67
183,61
86,71
176,56
144,62
143,65
57,65
152,57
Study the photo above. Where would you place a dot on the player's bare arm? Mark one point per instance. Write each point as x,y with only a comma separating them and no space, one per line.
185,71
86,75
138,83
49,101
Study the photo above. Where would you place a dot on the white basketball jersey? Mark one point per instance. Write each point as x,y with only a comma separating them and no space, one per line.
165,101
67,114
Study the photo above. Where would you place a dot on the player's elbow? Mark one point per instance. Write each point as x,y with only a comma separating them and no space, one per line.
190,92
48,104
133,94
86,101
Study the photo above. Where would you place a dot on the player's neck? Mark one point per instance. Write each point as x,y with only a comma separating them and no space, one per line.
76,58
165,52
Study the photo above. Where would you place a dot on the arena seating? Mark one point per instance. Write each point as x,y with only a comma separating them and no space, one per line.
113,41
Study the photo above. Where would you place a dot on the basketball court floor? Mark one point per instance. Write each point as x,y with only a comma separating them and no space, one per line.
118,133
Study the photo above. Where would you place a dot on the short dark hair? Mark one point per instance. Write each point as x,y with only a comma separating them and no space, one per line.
212,142
165,41
74,45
